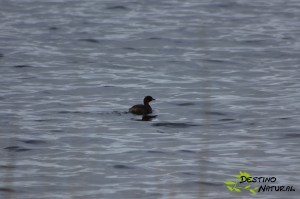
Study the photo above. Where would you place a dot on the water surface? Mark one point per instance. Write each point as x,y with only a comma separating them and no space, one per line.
225,76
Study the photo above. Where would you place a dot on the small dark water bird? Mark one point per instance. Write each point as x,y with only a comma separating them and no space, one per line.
141,109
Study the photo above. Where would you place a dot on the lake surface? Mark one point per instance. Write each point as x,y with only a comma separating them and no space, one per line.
225,75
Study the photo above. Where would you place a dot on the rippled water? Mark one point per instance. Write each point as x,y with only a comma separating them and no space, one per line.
225,75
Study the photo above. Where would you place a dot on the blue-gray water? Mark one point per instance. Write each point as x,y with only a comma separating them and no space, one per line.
225,75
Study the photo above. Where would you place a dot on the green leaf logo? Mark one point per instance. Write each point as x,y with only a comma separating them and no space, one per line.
229,182
234,185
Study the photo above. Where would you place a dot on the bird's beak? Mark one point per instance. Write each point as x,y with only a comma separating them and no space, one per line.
153,99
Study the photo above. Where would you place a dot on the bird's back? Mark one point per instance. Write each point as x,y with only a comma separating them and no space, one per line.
140,109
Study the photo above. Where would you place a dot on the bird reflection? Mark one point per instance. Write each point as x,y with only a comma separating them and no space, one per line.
148,117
